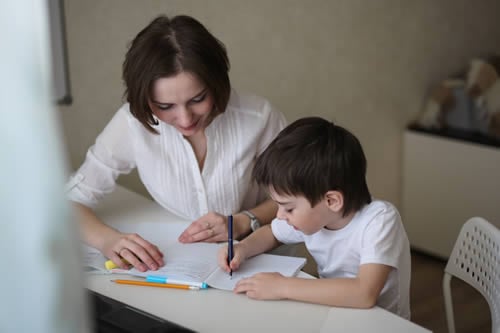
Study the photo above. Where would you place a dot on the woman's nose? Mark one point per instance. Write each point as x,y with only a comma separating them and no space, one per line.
185,117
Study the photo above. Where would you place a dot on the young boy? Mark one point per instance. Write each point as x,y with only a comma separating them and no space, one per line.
315,171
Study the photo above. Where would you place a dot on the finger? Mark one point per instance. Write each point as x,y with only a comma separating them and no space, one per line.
208,235
238,289
198,226
252,294
238,257
129,256
222,259
136,255
140,249
154,253
234,264
197,230
194,227
236,261
243,286
117,259
220,231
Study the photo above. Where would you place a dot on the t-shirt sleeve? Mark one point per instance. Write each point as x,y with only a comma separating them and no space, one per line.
383,239
110,156
284,233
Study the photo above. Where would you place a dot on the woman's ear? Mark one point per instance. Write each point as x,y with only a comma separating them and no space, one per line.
334,201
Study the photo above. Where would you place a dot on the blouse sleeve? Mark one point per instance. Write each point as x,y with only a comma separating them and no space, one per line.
275,123
111,155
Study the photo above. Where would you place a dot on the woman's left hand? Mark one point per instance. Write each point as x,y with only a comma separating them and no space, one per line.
211,227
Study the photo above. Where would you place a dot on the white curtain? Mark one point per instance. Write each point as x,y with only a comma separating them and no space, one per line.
40,279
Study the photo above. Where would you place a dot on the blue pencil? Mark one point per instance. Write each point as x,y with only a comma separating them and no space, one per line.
230,251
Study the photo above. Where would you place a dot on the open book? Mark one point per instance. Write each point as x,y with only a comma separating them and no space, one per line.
197,263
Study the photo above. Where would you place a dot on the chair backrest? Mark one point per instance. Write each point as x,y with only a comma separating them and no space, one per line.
476,260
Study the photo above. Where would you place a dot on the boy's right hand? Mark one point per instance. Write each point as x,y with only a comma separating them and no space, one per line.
135,250
238,258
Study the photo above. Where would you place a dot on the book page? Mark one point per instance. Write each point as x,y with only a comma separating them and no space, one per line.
93,261
287,266
188,262
194,262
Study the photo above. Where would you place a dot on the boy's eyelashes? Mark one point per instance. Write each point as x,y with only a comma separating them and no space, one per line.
288,210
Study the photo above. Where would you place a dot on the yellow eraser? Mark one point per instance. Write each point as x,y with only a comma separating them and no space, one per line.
110,265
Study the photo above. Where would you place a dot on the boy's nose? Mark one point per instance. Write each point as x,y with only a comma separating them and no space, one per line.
280,214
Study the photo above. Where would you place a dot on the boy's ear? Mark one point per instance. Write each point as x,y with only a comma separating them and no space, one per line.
334,201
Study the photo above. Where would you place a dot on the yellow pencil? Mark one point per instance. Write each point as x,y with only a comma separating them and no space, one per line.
153,284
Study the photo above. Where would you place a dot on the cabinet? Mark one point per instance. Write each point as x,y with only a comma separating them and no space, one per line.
445,182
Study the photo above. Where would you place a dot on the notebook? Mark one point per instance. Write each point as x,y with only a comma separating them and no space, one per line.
196,263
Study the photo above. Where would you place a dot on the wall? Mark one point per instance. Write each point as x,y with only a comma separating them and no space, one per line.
366,65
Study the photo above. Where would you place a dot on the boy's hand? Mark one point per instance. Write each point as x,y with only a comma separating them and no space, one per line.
263,286
239,256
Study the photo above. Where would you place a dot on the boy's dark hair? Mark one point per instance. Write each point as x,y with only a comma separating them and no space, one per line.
167,47
312,156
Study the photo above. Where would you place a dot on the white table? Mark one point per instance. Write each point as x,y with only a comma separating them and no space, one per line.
213,310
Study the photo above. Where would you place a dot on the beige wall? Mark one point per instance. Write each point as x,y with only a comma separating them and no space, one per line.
365,64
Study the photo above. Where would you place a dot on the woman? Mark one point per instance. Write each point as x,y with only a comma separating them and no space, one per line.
192,138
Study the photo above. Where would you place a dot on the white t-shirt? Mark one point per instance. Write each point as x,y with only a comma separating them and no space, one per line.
167,164
374,235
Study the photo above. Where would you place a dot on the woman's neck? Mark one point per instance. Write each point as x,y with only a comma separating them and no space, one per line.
198,142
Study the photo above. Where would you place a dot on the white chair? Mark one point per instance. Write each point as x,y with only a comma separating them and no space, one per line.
475,259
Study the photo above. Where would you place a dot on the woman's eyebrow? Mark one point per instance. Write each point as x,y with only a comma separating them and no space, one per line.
200,93
167,103
159,103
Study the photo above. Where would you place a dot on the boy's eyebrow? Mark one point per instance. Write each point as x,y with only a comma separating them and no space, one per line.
197,95
281,203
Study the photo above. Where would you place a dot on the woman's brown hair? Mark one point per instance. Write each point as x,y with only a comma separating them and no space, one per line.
167,47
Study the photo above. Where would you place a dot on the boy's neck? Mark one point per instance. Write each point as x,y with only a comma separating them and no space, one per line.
340,221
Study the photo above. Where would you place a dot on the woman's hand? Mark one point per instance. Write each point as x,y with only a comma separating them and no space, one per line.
137,251
211,227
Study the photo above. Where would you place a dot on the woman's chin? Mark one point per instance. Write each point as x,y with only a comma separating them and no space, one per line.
189,131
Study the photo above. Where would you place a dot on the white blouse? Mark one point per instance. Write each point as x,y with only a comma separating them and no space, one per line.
167,164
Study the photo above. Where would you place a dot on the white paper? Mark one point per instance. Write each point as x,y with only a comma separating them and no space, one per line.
197,262
287,266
